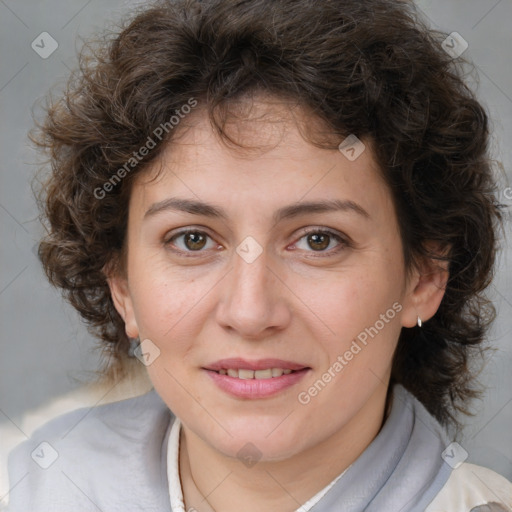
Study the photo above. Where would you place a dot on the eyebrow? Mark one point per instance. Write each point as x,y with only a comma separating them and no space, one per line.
287,212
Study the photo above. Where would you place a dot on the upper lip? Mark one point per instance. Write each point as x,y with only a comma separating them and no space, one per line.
259,364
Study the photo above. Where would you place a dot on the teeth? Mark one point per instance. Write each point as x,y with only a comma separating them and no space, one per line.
245,374
263,374
255,374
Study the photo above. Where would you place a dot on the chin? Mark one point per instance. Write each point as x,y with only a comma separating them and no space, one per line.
256,439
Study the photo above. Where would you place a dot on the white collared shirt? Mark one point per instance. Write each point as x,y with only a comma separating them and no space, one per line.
173,474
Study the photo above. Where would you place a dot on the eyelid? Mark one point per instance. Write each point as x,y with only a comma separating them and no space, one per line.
187,229
321,229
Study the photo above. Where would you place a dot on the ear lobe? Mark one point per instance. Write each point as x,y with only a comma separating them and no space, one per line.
121,298
426,293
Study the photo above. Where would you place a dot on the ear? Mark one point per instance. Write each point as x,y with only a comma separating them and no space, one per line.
121,297
426,288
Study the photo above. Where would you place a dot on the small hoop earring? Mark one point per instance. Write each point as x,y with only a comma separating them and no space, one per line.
420,323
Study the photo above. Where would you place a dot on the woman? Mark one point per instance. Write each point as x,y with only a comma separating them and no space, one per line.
290,206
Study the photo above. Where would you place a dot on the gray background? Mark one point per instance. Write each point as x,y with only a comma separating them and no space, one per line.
46,351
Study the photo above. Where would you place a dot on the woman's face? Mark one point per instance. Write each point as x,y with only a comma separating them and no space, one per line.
292,262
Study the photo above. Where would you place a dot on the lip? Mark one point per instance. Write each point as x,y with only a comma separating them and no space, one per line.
255,388
237,363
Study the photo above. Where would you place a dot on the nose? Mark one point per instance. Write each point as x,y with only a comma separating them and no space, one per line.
253,302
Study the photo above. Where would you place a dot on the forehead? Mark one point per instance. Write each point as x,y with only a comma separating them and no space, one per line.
264,153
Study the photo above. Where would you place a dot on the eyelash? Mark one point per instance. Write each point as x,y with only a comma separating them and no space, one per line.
342,241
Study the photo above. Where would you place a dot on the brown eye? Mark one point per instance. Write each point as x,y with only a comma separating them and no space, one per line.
319,242
189,241
194,241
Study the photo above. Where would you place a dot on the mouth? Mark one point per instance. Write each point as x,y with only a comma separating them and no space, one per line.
256,369
245,374
255,379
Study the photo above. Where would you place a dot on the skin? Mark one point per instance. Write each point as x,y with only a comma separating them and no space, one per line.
294,302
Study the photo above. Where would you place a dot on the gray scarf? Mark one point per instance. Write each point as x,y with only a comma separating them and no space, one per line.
113,458
402,470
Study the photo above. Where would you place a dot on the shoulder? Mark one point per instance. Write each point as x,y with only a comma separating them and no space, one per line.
84,457
93,427
472,488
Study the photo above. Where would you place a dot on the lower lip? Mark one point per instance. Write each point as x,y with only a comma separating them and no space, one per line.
256,388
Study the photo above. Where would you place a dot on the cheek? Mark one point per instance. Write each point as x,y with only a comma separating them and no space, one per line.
164,304
363,316
358,317
351,300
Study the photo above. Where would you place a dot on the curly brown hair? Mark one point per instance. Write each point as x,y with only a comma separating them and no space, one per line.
372,68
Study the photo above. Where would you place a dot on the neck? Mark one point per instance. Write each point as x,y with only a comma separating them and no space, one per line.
213,482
